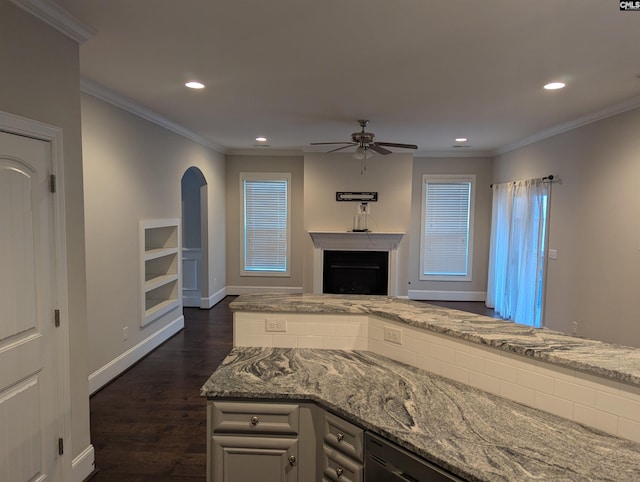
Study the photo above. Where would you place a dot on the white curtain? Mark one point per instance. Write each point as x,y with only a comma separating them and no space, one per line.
517,251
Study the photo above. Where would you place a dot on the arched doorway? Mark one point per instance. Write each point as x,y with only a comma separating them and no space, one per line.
195,273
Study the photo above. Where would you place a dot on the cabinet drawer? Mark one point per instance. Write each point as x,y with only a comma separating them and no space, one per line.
343,436
248,417
338,467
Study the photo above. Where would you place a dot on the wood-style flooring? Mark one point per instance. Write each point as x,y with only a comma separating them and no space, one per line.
149,424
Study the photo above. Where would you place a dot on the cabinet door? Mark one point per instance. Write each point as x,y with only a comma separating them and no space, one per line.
245,459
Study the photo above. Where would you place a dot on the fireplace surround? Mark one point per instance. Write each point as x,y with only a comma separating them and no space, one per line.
326,241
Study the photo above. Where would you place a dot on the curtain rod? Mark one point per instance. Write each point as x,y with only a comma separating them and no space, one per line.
548,178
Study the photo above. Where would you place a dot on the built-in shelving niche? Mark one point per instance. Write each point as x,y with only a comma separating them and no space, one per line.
160,265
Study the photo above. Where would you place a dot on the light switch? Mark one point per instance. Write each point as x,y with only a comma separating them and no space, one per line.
553,254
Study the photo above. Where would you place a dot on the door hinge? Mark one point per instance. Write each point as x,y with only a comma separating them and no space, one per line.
56,317
52,183
60,446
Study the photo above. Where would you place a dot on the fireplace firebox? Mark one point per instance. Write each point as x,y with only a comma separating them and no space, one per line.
356,272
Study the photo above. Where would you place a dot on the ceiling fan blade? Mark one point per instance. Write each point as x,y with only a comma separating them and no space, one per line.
395,144
343,147
325,143
380,150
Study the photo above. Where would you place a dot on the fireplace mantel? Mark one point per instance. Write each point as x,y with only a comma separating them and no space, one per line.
355,241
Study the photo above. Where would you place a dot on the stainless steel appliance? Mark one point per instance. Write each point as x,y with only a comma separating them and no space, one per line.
386,462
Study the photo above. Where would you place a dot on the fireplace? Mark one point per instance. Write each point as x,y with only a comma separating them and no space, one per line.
327,242
355,272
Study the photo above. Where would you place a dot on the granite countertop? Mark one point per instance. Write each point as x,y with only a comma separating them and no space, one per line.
591,356
471,433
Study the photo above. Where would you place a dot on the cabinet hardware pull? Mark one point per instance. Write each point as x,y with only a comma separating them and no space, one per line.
292,459
339,436
339,472
254,420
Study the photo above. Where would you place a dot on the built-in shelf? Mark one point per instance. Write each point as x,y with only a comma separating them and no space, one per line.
160,267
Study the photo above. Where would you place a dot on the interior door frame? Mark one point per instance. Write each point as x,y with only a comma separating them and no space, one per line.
14,124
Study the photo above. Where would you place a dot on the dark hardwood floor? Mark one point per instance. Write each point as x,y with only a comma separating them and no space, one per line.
149,424
477,307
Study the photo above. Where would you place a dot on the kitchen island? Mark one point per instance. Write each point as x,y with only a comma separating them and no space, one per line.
483,398
470,433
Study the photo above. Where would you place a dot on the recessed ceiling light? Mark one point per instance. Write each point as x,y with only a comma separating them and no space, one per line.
461,139
261,139
554,85
195,85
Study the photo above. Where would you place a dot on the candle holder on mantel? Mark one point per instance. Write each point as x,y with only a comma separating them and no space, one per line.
360,218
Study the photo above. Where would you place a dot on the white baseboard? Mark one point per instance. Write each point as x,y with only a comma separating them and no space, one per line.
83,464
242,290
433,295
115,367
214,299
190,301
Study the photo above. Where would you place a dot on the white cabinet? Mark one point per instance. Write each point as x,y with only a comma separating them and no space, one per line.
343,450
281,442
250,441
160,267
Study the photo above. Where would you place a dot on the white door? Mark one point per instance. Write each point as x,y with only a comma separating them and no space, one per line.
30,401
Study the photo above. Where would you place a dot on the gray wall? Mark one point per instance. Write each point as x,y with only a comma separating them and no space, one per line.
133,172
236,165
594,225
40,80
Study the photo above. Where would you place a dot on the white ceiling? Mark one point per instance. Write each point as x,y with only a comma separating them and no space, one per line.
423,71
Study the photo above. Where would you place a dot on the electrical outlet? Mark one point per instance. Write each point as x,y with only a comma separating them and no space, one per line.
574,328
393,335
125,333
275,325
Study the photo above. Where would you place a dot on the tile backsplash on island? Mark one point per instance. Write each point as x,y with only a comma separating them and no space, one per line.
609,405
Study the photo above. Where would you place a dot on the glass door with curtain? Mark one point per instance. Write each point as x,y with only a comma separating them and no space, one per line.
518,250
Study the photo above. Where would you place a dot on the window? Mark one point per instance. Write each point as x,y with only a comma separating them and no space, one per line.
265,224
447,227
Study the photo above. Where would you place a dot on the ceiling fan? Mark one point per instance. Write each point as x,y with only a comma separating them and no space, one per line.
365,143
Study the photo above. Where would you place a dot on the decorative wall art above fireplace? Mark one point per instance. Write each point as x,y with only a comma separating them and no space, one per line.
357,196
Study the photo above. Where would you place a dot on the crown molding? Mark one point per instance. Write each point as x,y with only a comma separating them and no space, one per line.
57,17
453,153
616,109
102,93
265,151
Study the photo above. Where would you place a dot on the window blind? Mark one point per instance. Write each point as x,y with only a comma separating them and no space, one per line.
265,225
446,228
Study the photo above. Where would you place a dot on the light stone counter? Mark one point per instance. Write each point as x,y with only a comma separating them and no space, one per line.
590,356
471,433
